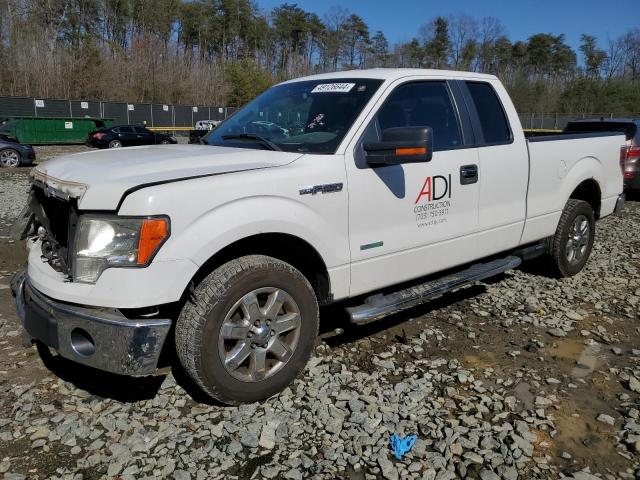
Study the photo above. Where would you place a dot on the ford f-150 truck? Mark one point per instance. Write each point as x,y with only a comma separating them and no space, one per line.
361,185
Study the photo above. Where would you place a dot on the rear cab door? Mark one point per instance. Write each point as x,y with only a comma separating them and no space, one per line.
413,219
503,164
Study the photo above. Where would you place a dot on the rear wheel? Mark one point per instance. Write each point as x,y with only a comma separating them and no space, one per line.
115,144
249,330
164,141
9,158
571,245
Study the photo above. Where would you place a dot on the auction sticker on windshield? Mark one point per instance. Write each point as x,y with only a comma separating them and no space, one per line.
333,88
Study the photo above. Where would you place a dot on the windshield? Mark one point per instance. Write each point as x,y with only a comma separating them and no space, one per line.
309,116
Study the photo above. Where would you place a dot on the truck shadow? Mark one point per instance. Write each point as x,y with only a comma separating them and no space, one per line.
335,316
99,383
134,389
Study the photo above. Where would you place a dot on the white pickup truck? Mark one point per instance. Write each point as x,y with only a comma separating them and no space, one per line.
362,185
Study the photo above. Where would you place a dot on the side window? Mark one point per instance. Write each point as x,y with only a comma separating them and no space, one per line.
423,104
493,120
126,130
141,130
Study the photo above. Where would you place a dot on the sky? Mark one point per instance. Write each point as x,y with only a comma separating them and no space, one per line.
400,20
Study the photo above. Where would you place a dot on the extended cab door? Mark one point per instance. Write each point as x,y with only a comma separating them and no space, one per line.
412,219
503,165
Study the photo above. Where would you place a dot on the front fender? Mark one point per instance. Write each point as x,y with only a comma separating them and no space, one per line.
227,223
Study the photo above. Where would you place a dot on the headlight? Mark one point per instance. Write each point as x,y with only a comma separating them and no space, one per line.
109,241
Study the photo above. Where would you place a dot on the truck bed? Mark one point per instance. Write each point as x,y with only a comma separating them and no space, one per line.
558,164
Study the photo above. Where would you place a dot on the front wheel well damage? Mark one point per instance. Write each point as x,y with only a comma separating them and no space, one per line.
288,248
589,191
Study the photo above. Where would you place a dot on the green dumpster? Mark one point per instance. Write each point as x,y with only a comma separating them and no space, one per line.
43,130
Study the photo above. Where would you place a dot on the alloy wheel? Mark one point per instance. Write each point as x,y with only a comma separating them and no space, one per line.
259,334
578,240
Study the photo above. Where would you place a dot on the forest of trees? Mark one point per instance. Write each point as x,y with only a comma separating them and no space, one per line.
223,52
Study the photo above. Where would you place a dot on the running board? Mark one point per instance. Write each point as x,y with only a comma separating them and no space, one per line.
378,306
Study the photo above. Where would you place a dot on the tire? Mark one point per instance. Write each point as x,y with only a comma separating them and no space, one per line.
115,144
223,304
10,158
571,245
164,142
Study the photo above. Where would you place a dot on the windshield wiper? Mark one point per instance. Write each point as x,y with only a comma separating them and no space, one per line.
251,136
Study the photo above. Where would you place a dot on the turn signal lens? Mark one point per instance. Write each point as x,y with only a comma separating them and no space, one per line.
411,151
153,232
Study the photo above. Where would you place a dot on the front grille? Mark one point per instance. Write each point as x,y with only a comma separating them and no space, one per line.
58,218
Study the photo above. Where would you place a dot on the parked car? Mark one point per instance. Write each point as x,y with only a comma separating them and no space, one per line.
403,184
202,128
127,136
14,154
630,156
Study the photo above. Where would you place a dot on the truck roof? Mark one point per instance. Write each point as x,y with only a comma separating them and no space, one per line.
394,73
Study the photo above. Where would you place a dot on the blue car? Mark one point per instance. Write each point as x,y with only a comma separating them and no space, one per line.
14,154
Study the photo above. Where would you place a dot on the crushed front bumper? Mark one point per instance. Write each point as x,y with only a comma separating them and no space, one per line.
102,338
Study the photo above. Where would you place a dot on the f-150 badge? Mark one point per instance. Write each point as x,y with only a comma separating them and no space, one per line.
326,188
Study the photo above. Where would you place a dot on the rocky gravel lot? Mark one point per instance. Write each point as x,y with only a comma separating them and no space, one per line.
520,377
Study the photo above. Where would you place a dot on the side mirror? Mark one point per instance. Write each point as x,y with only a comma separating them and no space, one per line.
401,145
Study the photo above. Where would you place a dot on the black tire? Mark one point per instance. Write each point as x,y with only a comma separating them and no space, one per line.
199,325
558,246
115,144
164,141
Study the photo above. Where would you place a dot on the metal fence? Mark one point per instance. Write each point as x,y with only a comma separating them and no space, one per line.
183,116
154,115
557,121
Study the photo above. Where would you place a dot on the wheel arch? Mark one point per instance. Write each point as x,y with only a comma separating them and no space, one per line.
286,247
589,191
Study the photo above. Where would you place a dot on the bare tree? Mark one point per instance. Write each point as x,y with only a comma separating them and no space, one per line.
463,33
613,64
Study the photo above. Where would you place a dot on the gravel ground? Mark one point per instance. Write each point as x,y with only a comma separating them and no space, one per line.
520,377
15,182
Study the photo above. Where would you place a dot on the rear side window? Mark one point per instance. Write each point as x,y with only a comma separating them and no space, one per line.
125,130
493,120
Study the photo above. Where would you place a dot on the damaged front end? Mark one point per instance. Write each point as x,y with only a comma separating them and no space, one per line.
51,216
103,338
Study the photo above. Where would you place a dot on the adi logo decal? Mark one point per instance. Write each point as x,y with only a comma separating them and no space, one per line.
435,188
432,204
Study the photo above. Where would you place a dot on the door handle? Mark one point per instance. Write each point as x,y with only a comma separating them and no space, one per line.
468,174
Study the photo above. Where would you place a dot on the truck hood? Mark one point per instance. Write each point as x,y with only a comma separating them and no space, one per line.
100,178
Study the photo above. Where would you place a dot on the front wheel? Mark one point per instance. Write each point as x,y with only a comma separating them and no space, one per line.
9,158
249,329
571,245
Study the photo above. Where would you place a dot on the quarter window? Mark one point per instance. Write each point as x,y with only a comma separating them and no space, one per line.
493,121
423,104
